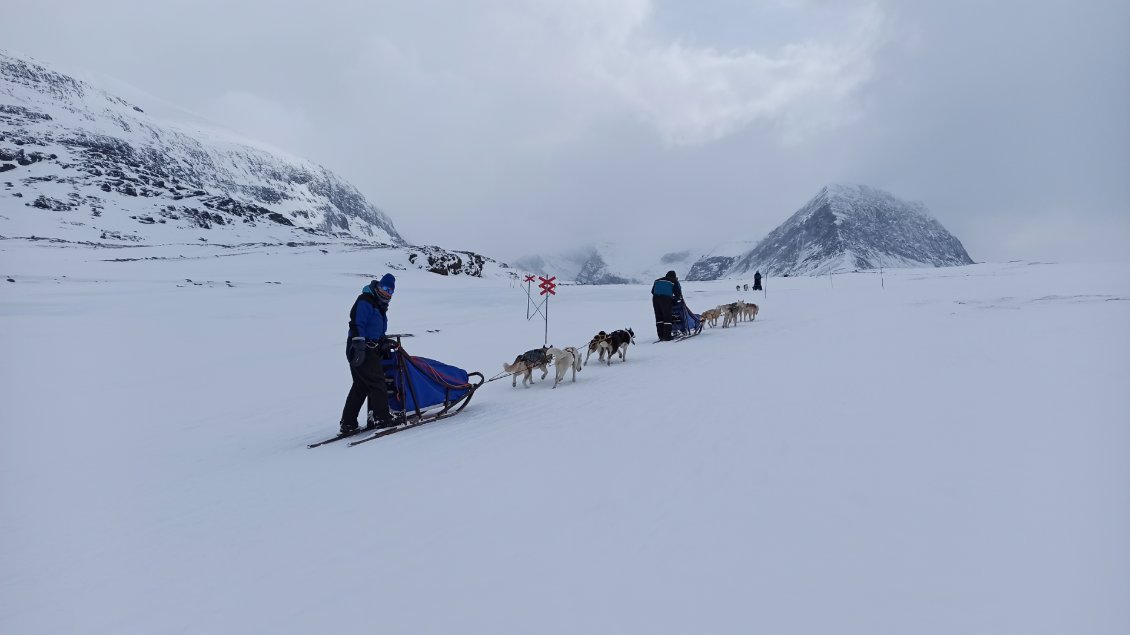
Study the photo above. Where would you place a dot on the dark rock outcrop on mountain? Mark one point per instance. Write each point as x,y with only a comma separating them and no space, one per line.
709,268
448,263
848,228
595,271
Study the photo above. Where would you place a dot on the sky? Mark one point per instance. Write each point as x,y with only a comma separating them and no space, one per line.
514,127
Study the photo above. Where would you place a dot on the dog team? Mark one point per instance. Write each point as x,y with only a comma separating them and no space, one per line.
605,345
730,314
609,345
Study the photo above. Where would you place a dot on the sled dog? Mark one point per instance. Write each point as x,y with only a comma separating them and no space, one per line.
526,363
563,360
620,340
730,313
710,316
600,345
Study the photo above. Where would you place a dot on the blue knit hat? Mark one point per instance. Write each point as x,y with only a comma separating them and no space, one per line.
388,284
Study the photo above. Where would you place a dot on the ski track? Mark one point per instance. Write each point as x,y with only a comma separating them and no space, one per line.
857,460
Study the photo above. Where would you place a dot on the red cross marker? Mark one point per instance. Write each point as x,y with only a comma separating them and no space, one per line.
529,278
548,285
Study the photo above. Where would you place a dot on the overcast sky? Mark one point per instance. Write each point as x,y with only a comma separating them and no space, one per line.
517,126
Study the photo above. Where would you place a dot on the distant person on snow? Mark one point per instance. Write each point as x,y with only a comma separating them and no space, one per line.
757,281
665,293
366,345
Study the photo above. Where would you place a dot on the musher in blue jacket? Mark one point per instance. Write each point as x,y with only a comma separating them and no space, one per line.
665,292
368,323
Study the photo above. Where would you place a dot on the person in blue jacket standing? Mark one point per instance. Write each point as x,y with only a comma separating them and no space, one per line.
665,292
368,323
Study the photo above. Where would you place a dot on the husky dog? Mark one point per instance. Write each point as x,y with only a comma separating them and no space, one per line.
620,340
710,316
742,310
750,311
745,287
563,360
600,345
737,287
526,363
730,314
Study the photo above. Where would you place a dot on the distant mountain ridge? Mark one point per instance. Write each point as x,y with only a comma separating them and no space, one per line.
842,228
615,263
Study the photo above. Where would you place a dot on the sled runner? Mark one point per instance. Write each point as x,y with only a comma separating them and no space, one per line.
685,323
420,390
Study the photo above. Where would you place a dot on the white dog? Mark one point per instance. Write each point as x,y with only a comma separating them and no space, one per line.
563,360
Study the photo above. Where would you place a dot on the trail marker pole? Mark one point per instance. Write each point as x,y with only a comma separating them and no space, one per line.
529,300
548,287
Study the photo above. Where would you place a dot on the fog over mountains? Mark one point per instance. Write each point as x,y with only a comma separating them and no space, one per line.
843,228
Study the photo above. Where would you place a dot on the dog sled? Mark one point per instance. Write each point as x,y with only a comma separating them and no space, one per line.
420,391
684,323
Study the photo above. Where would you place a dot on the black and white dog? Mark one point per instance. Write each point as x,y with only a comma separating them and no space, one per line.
619,341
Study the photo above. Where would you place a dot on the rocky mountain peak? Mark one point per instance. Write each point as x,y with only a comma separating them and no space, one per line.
851,227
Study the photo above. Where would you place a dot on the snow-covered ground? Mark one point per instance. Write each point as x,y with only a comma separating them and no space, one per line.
948,454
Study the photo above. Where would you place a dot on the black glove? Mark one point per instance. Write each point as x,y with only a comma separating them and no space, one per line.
385,346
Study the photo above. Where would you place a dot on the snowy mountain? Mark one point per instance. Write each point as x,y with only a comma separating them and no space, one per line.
585,265
713,264
844,228
80,164
848,228
616,263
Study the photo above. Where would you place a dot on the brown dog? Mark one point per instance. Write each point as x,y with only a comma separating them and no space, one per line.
600,345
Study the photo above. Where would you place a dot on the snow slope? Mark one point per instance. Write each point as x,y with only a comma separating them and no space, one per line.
948,454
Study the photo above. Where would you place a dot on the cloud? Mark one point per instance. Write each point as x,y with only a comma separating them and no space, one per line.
555,69
258,118
694,95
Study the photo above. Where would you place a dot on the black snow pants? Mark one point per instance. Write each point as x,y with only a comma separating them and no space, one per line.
368,383
663,306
